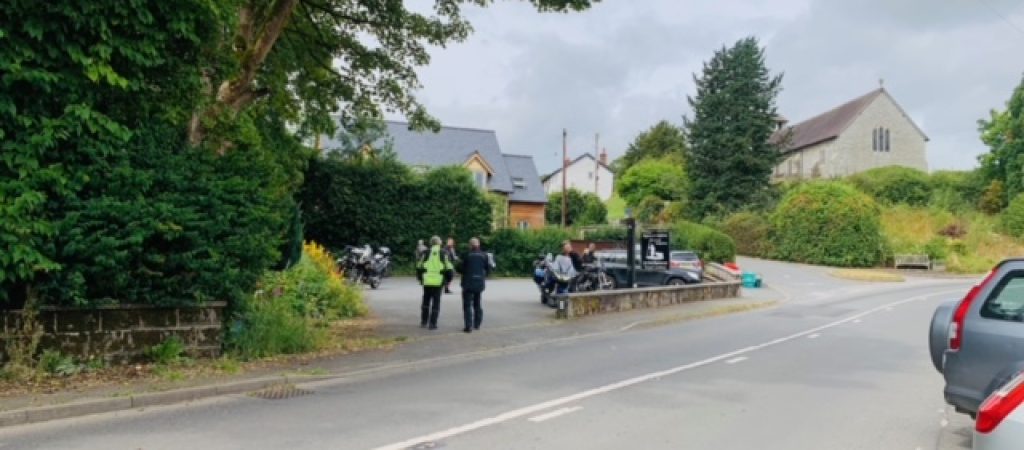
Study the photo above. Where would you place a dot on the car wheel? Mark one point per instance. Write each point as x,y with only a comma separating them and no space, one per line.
677,282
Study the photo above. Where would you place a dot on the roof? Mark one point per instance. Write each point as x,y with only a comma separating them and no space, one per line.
830,124
451,146
580,158
522,166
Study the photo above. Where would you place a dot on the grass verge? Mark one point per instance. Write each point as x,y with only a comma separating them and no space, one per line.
867,275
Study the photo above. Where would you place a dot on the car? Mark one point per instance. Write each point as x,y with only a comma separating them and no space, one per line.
686,259
1000,424
979,340
614,263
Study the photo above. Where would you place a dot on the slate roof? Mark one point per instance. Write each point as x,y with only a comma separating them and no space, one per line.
830,124
522,166
578,159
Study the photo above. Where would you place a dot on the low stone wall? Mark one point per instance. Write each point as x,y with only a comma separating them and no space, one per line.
600,302
122,333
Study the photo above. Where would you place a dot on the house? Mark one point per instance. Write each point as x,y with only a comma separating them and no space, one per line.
513,177
585,174
865,133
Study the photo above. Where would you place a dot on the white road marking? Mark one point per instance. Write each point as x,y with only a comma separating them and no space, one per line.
736,360
538,407
553,414
630,326
888,309
814,336
944,423
857,321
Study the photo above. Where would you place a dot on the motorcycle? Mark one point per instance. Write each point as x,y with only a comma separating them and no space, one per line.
382,262
593,278
357,266
549,281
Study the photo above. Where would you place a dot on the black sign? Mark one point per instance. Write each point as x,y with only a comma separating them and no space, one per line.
654,249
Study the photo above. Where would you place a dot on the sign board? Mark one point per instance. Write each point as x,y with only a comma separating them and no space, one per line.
654,249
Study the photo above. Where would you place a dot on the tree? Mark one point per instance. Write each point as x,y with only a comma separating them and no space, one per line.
662,178
662,140
308,57
584,209
1003,132
731,158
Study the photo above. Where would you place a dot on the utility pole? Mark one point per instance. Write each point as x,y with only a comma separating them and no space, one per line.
565,190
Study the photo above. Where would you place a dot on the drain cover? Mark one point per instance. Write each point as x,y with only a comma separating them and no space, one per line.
280,392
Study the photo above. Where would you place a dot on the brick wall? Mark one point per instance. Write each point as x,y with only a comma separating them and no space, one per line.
122,333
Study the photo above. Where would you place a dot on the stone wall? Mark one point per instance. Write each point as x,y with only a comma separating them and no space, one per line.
122,333
618,300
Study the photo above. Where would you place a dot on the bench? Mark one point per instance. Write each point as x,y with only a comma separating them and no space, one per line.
912,262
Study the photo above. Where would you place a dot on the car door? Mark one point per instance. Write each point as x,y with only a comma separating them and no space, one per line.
994,332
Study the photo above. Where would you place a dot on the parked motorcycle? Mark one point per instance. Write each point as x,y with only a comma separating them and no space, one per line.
358,266
593,278
382,262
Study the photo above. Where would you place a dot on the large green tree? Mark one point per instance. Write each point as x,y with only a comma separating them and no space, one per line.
663,178
661,140
1003,132
584,208
731,159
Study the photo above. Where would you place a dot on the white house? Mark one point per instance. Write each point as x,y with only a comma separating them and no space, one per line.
585,174
867,132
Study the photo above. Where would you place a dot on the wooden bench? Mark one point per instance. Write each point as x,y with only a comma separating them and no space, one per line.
912,262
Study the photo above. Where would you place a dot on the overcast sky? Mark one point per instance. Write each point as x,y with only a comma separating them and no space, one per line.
626,64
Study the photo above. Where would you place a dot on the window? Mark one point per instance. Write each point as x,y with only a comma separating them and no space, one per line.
887,148
523,224
519,183
874,139
480,178
1007,300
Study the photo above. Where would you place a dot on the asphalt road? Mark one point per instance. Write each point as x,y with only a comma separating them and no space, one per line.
839,365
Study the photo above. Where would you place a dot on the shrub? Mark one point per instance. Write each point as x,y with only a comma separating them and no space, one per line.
712,245
955,191
895,185
515,250
828,223
271,326
585,208
606,233
167,352
993,199
1012,219
750,231
664,178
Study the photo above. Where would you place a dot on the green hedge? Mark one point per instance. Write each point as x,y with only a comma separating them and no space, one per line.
1012,219
828,223
712,245
751,232
895,185
515,250
354,201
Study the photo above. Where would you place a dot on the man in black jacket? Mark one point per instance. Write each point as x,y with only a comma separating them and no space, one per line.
474,269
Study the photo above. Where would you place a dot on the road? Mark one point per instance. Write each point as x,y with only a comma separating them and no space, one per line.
838,365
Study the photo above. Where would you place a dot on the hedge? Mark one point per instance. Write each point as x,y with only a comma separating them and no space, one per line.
895,185
516,250
712,245
828,223
751,232
1012,219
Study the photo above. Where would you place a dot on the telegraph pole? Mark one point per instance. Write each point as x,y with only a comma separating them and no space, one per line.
565,190
597,164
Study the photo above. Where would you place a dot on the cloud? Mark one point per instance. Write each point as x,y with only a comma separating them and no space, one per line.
622,66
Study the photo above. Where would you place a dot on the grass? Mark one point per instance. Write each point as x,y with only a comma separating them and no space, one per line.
916,230
616,208
867,275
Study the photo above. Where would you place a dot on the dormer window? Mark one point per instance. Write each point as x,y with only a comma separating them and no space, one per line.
519,183
480,178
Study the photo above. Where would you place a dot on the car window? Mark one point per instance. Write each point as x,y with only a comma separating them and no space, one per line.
684,256
1007,300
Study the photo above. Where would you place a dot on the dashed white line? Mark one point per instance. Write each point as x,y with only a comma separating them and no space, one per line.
538,407
736,360
554,414
814,336
857,321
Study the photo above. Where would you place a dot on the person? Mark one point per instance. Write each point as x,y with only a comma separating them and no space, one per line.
449,248
421,248
564,267
577,262
432,269
474,268
589,254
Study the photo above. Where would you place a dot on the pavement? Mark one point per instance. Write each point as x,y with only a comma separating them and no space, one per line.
816,363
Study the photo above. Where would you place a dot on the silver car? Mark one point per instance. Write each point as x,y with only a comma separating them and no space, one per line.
1000,424
978,342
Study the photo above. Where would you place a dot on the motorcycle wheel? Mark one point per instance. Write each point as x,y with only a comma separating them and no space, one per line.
374,282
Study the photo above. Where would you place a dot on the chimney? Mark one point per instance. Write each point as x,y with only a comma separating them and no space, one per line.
780,122
603,157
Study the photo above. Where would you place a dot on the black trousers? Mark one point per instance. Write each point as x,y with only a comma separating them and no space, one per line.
471,312
431,305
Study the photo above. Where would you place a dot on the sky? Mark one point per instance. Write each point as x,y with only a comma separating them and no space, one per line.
622,66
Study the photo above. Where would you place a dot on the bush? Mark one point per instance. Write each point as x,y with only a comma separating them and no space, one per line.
828,223
167,352
895,185
606,233
1012,219
955,191
515,250
382,202
993,199
585,208
271,326
750,231
712,245
663,178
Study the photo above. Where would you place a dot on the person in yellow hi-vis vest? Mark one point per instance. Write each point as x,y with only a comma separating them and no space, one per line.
432,270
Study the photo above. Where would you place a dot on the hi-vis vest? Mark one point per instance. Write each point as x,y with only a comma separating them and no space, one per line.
433,267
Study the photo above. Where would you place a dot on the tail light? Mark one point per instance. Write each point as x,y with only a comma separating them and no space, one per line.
956,328
1000,404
